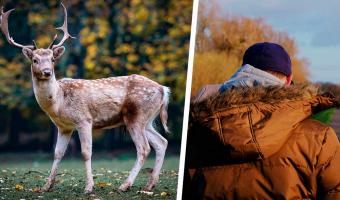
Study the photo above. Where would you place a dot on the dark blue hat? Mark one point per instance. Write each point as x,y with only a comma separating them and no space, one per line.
268,56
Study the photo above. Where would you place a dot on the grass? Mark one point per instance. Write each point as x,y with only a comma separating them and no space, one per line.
325,116
22,174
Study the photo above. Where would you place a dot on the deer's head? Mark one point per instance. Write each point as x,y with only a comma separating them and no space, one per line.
42,59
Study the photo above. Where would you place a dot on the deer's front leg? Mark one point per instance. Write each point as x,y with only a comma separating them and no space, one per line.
85,136
60,148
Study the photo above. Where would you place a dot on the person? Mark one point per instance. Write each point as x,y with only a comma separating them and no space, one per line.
253,137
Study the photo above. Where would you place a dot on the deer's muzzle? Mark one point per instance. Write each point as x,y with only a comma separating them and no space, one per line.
47,72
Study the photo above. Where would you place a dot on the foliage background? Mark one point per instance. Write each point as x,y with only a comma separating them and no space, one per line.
114,38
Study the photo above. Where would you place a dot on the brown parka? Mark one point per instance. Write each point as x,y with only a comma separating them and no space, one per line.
261,143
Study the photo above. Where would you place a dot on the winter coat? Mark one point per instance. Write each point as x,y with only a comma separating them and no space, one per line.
261,143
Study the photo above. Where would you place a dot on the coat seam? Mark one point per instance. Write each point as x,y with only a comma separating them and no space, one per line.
253,133
321,165
220,129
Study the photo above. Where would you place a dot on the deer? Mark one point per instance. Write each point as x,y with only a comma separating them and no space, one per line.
133,101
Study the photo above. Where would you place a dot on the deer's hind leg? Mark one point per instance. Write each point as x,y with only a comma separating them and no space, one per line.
137,132
159,143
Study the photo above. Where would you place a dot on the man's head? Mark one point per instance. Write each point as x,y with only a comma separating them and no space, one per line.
270,57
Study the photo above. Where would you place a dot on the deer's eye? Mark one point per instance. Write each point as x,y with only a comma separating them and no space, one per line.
35,61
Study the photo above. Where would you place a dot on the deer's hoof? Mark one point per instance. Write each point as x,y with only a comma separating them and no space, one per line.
151,184
48,185
44,189
88,189
149,187
124,187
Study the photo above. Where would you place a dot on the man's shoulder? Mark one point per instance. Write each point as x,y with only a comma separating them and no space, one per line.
314,125
316,131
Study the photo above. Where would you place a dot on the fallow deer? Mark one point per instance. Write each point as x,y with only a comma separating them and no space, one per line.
85,105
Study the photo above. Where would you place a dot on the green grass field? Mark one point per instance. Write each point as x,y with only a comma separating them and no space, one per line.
22,174
325,116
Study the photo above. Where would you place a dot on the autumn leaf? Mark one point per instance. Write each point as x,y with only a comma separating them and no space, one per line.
103,184
145,192
19,187
36,189
164,194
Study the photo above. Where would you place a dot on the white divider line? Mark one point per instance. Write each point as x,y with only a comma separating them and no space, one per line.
187,99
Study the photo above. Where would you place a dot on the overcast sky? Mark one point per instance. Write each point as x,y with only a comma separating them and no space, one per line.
314,24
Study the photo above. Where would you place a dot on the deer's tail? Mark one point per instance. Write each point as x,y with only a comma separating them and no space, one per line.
164,108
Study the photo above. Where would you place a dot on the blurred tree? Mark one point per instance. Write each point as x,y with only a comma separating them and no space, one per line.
114,38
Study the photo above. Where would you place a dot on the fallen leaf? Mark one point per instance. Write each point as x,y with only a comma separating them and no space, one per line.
145,192
163,194
19,187
35,190
103,184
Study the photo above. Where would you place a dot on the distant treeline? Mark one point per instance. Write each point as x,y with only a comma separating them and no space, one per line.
334,89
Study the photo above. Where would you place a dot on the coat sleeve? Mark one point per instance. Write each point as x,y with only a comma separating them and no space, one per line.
328,166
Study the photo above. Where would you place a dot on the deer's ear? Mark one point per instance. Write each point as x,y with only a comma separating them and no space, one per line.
27,52
58,52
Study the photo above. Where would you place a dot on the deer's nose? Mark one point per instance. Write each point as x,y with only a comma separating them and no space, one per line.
47,72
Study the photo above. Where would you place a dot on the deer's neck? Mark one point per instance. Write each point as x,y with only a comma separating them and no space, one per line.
46,93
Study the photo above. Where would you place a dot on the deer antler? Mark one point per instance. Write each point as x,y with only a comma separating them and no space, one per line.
4,29
53,41
64,29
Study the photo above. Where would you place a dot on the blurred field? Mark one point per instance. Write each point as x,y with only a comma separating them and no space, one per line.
22,174
325,116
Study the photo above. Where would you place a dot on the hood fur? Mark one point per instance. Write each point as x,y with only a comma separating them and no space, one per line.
245,95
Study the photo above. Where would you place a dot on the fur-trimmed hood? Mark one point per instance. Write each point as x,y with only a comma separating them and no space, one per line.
255,122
